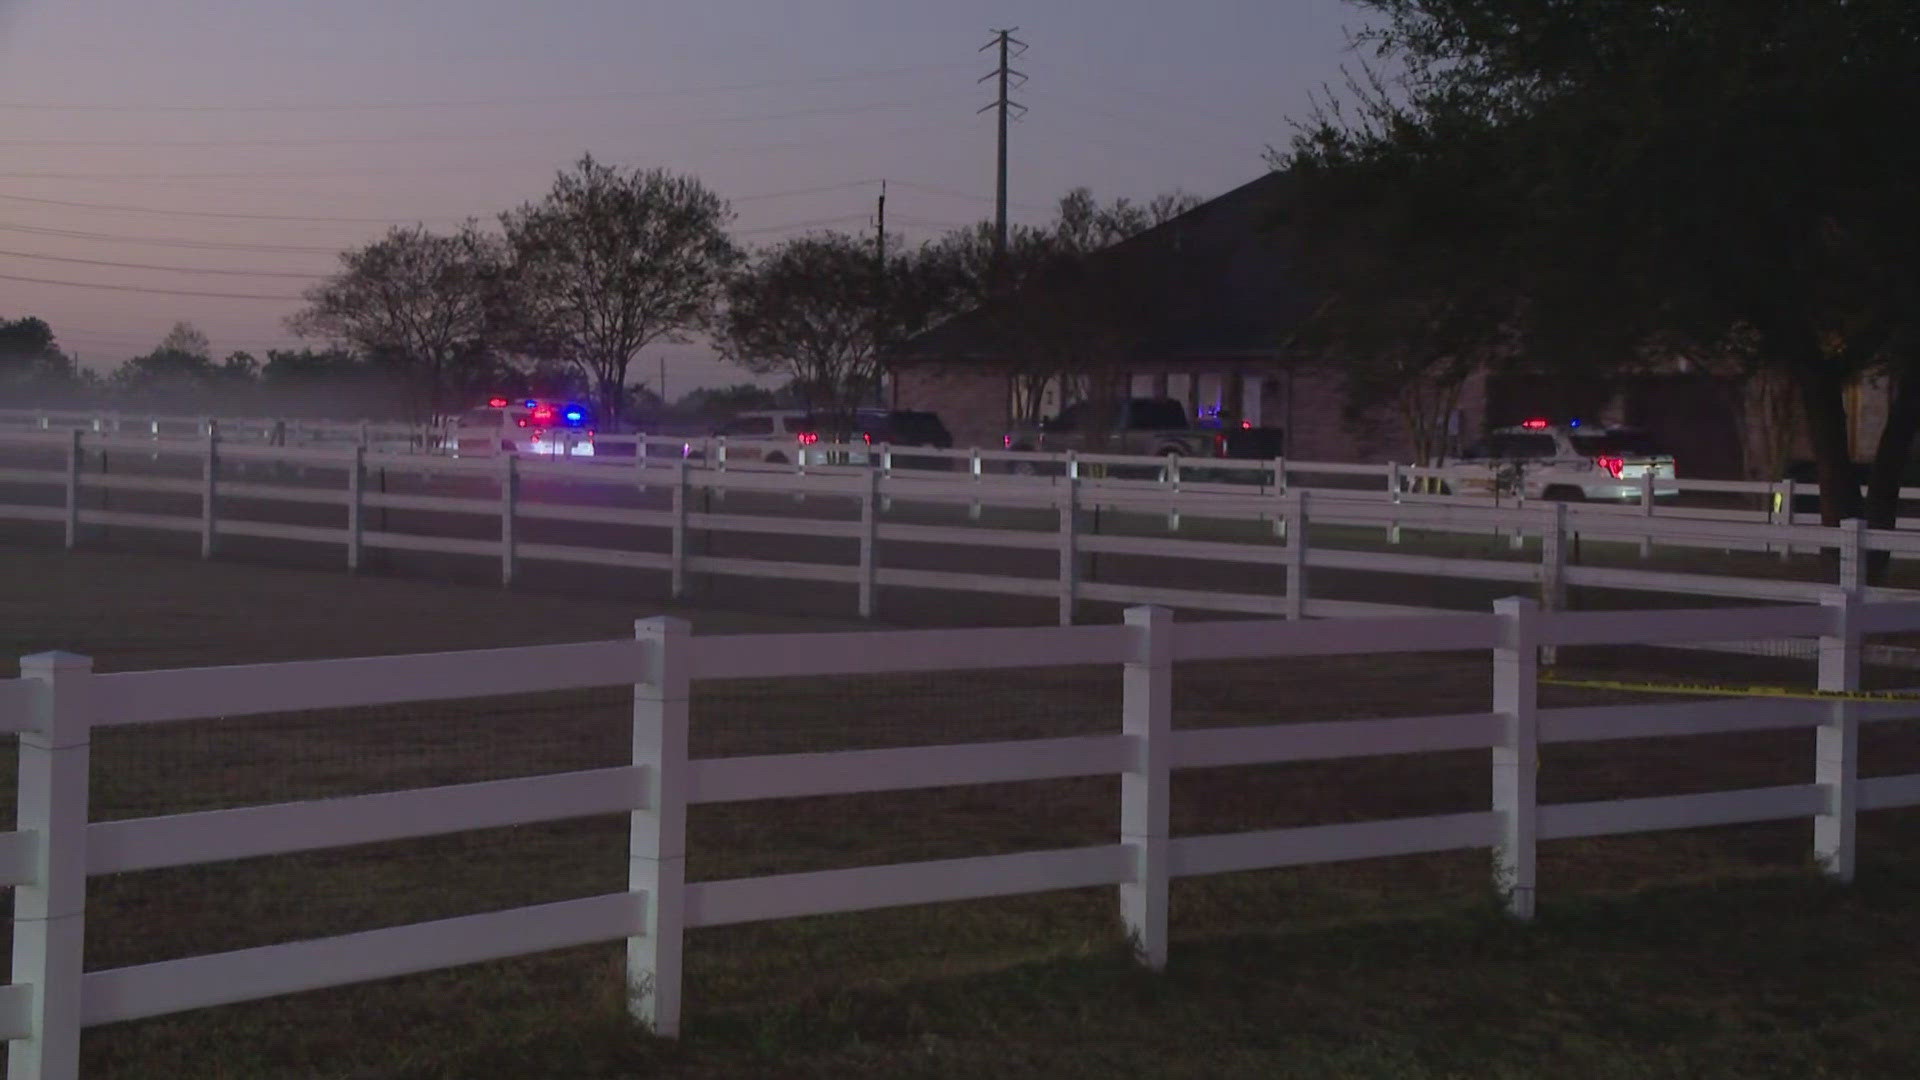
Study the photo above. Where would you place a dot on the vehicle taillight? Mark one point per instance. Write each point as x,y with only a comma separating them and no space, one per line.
808,438
1612,465
867,437
537,434
497,403
1006,442
1220,444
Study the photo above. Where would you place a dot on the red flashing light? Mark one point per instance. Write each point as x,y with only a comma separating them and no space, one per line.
1246,425
1536,423
543,414
808,438
496,403
1613,465
522,421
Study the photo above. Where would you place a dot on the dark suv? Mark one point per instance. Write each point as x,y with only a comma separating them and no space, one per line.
903,427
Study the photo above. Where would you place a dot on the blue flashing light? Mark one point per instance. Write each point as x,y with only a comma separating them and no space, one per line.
575,416
1573,423
530,403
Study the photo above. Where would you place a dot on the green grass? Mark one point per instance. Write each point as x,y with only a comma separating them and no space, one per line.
1706,953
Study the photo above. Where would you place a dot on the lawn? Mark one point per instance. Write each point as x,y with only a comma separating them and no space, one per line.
1706,953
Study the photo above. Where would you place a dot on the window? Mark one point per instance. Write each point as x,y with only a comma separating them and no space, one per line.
794,425
1149,414
1068,420
1522,446
1615,444
749,425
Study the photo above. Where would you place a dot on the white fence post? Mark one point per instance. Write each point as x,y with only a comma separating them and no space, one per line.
1147,719
211,472
886,470
1280,495
1393,496
509,499
356,506
49,914
1296,554
869,534
1837,742
657,844
973,467
1069,550
1173,482
1516,761
1646,511
76,456
679,541
1783,514
1553,558
1853,555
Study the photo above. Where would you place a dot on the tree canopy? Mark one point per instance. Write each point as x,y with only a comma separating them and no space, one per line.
610,262
422,304
1681,176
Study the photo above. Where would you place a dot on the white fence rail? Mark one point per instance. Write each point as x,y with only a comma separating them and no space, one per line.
59,701
501,497
1393,483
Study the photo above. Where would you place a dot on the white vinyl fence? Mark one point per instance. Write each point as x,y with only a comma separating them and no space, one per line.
1744,501
59,700
695,504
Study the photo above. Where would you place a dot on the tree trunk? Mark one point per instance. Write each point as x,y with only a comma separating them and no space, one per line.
1822,392
1890,459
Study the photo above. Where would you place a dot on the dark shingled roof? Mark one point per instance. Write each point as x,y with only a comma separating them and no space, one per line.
1234,285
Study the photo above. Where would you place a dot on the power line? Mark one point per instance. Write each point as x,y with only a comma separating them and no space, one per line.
477,103
124,208
169,241
156,292
170,269
428,137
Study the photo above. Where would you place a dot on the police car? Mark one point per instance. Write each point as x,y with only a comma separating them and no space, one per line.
524,426
1567,462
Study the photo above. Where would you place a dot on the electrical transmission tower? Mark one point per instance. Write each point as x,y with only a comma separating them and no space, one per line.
1005,41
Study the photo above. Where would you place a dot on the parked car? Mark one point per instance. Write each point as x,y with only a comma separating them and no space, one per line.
526,426
1567,462
771,436
1153,427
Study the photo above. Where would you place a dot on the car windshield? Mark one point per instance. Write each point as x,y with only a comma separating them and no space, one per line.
1615,444
1154,413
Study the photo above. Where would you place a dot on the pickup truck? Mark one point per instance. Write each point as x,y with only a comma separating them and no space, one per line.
1156,427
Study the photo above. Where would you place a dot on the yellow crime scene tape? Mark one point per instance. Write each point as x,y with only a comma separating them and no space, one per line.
1732,690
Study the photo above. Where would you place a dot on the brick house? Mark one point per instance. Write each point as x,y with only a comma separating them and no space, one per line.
1236,286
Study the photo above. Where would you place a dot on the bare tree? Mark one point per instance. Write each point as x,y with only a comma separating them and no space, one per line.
611,262
419,303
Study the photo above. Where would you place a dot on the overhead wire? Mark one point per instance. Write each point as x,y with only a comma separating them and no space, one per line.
530,99
169,269
156,292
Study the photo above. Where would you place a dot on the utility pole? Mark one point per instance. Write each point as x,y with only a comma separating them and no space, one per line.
1005,40
880,285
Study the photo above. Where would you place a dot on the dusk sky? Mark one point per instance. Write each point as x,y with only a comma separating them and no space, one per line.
258,138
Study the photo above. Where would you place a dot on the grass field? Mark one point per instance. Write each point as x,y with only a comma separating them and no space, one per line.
1708,953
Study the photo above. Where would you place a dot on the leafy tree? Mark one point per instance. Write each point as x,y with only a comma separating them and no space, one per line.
1409,226
1064,307
186,339
421,305
1696,170
718,403
821,309
611,262
30,360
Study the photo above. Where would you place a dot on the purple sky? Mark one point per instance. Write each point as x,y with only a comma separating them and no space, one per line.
329,119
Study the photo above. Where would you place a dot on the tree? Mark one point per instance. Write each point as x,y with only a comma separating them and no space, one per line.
1700,169
421,305
186,339
30,360
821,309
1408,222
1066,309
611,262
